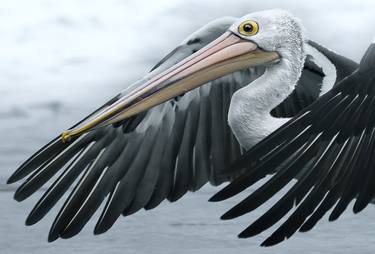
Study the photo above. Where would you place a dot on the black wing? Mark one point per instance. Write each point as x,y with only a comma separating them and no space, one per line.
160,154
329,147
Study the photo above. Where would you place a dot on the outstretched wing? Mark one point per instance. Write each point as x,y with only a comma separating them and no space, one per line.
160,154
328,147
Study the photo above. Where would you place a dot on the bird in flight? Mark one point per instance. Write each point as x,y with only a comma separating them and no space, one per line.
239,99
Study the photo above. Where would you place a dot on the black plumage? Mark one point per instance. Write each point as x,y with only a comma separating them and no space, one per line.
327,147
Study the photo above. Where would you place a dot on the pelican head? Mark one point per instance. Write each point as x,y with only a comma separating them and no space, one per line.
261,38
278,31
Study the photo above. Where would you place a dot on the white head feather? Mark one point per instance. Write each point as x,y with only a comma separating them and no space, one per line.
279,31
249,113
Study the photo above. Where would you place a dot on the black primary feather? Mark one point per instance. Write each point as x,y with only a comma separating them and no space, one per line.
342,167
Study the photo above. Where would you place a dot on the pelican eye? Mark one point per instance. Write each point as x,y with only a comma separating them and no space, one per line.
248,28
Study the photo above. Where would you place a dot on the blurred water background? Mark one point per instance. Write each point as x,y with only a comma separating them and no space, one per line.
59,60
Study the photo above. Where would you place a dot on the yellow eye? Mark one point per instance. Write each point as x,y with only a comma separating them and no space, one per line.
248,28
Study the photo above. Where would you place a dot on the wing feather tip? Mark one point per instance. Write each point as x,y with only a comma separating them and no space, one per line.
222,195
271,241
216,198
101,228
18,174
359,206
19,195
231,214
13,179
28,166
52,236
334,216
306,227
104,224
242,235
70,232
99,231
31,219
247,233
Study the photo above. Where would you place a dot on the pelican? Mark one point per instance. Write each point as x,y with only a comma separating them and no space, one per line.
238,99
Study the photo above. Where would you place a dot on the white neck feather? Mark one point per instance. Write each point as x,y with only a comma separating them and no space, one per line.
249,113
